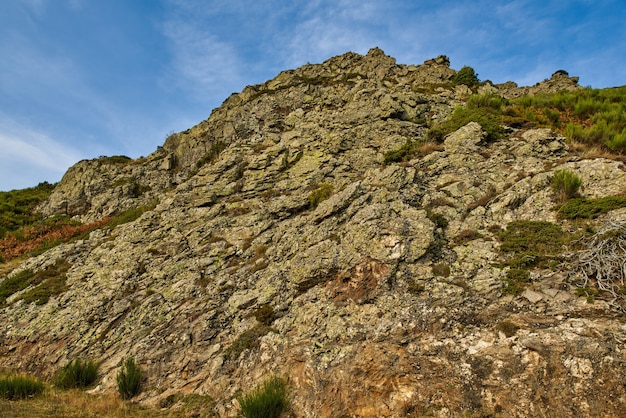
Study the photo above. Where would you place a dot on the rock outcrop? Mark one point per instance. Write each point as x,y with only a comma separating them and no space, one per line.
280,203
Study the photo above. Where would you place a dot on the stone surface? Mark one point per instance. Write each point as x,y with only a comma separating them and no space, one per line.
364,323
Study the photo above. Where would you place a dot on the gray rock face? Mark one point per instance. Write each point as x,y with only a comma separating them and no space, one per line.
294,210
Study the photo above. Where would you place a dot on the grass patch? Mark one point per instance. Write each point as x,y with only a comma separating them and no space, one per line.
17,207
45,283
515,281
246,340
565,185
317,196
583,208
268,400
77,403
77,374
20,387
486,110
411,149
531,243
115,159
129,379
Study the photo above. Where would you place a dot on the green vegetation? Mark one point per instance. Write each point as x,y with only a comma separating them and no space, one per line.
115,159
46,283
130,215
515,281
565,185
268,400
14,284
129,379
246,340
531,243
215,149
17,207
528,244
507,327
411,149
323,192
487,110
583,208
77,374
594,117
20,387
467,76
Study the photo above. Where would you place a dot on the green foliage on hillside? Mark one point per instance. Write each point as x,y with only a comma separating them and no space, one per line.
593,117
584,208
487,110
268,400
44,283
467,76
590,117
17,207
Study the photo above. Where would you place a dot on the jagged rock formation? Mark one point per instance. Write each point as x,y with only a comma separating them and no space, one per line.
282,245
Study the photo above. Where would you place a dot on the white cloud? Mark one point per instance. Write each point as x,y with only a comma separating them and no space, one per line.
29,157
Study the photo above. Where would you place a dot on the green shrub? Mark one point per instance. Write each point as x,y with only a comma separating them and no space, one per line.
486,110
17,207
268,400
467,76
129,379
20,387
507,327
530,243
77,374
590,208
15,283
320,194
515,281
565,185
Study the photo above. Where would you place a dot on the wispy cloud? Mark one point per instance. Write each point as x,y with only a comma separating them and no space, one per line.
29,157
201,62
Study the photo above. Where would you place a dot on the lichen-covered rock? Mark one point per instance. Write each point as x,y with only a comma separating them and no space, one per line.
281,245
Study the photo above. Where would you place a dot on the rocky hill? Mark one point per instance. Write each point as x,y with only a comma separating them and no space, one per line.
281,238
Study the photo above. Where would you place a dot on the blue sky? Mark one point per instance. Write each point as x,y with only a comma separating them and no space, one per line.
85,78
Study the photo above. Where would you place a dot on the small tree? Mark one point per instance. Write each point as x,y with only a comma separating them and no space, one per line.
467,76
129,379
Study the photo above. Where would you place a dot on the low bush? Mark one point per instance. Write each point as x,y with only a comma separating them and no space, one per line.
565,185
77,374
582,208
129,379
268,400
20,387
515,281
467,76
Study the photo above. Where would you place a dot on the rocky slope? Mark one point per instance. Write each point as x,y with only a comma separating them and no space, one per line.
282,245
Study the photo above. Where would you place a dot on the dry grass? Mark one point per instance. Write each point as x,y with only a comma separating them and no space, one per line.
590,152
78,404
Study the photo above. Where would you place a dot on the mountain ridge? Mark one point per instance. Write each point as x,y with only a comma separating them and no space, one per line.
278,241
